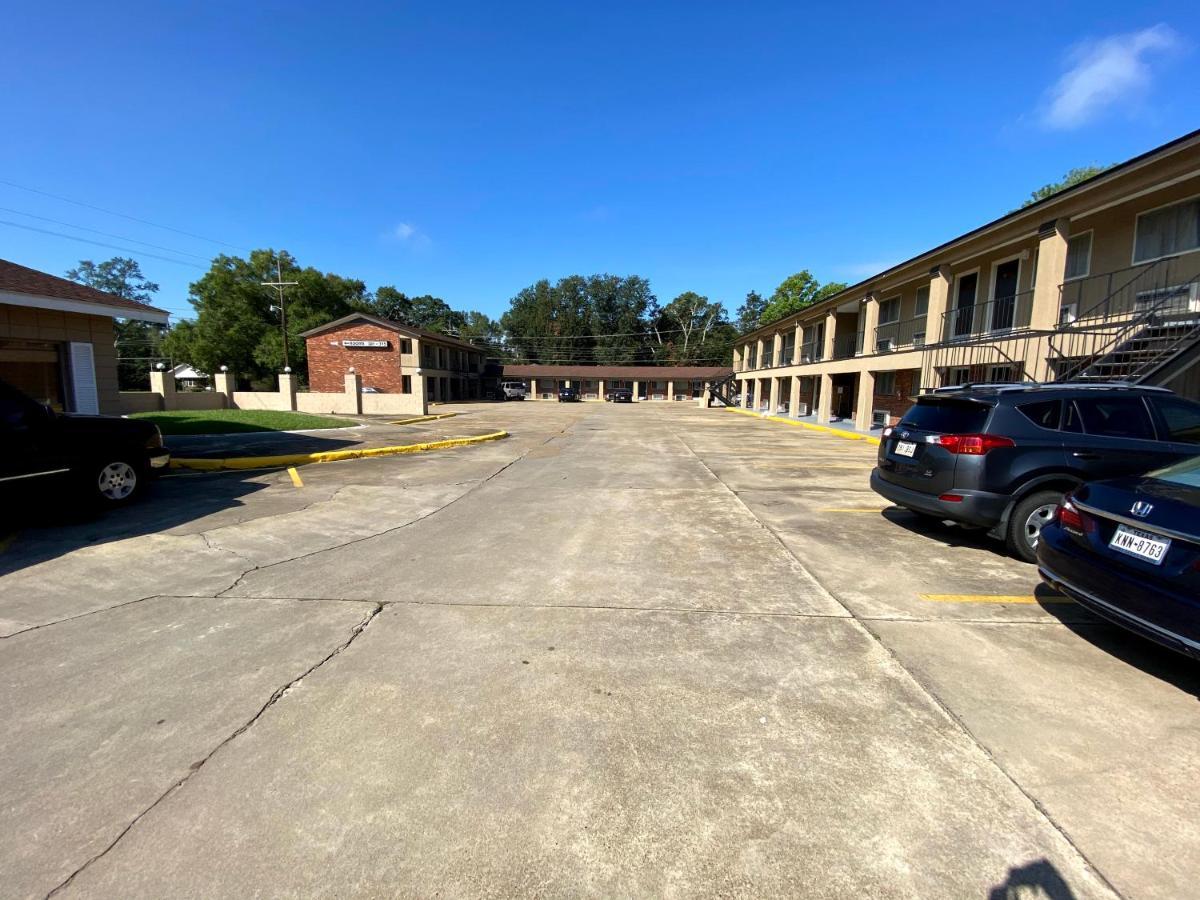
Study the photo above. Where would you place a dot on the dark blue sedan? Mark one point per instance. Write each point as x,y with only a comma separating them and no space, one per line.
1129,550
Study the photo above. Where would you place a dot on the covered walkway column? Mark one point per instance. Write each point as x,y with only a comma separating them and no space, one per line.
866,400
745,393
794,397
774,401
825,401
671,389
636,385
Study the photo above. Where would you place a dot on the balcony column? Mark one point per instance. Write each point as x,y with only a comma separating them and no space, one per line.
795,360
866,400
825,401
794,397
830,335
737,359
1051,271
758,359
939,302
870,313
777,349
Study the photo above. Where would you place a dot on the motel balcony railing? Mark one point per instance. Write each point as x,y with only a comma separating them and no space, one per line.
994,317
846,346
1126,292
903,334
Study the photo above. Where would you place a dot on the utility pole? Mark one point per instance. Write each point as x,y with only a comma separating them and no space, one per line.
279,284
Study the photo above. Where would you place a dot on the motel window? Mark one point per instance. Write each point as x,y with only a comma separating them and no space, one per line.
1079,256
915,386
789,348
922,305
1167,231
885,383
752,352
405,346
958,375
889,311
406,384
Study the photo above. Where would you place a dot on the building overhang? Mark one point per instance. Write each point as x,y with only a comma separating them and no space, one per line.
85,307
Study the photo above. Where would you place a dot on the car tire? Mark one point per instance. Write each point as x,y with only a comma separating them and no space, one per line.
1028,518
115,481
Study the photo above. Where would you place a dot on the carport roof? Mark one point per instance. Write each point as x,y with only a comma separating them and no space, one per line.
649,372
22,286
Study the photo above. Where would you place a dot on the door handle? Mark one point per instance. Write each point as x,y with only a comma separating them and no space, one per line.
1078,455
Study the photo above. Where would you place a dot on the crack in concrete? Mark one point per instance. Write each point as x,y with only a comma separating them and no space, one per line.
925,688
275,697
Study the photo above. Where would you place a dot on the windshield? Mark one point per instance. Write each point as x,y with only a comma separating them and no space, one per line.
1186,473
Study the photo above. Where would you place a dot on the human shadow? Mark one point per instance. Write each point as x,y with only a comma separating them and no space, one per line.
1038,880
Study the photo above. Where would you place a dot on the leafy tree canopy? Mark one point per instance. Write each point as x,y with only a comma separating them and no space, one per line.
795,293
751,311
1071,179
238,322
139,344
693,330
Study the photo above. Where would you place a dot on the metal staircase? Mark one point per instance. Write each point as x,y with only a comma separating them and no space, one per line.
1143,348
724,391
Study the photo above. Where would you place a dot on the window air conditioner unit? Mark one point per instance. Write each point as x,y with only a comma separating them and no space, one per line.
1177,298
880,418
802,409
1067,314
885,345
919,339
806,357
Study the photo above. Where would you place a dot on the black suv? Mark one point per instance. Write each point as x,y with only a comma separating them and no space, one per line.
103,459
1002,456
568,395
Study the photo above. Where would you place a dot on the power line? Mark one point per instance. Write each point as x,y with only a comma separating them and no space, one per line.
83,240
111,212
119,237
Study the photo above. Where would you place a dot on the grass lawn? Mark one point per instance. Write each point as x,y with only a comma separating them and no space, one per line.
233,421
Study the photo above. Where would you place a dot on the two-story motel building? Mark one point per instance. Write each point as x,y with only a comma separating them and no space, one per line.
1099,281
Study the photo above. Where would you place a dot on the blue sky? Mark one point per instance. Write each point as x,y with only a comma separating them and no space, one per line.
468,149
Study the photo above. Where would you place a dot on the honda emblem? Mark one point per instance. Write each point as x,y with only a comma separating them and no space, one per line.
1141,509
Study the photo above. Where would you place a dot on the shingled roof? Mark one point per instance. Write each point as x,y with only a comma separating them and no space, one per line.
22,280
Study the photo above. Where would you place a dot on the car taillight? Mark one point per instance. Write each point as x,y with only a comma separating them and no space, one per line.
973,444
1067,515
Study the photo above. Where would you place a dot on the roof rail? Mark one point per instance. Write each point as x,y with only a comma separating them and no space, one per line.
1050,385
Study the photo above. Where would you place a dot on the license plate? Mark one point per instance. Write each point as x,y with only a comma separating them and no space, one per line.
1145,546
905,448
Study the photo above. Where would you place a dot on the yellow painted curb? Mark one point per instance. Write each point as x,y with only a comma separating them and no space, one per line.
842,433
300,459
430,418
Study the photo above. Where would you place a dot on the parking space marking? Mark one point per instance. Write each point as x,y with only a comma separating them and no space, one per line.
994,598
295,476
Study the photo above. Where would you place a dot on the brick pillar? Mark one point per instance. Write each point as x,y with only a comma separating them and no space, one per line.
353,392
223,383
163,384
289,382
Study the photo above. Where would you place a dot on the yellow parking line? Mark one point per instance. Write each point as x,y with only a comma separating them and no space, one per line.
993,598
295,476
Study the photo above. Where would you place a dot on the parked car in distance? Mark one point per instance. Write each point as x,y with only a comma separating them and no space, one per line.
103,460
1002,456
512,390
620,395
1129,550
568,395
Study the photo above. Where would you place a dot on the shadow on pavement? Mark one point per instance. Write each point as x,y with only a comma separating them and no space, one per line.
43,527
946,535
1133,649
1038,880
258,443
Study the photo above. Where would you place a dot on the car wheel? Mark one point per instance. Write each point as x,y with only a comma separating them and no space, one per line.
1028,519
115,482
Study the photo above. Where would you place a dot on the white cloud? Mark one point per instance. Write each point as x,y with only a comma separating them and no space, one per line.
1112,71
410,235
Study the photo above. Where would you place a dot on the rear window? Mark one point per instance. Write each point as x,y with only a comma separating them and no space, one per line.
1044,413
1185,473
947,416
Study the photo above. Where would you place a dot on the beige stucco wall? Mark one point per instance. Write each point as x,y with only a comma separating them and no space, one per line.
23,323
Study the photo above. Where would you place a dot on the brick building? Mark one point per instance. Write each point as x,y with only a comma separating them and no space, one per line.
392,358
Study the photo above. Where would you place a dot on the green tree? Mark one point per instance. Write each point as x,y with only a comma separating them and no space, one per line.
692,330
139,344
750,311
238,322
1071,179
426,311
795,293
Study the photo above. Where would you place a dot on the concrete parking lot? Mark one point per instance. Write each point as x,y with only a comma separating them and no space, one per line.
644,650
